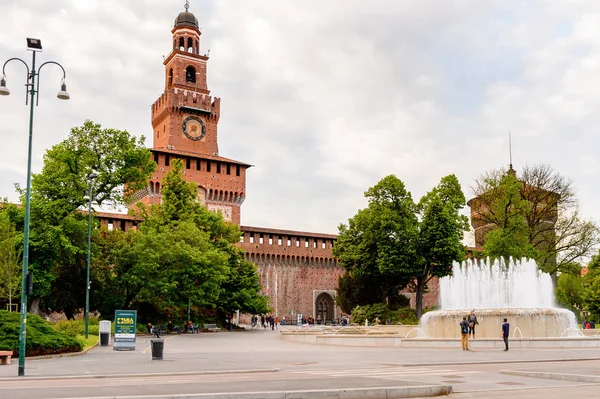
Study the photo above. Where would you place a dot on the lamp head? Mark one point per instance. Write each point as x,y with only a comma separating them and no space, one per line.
86,197
3,89
34,44
92,176
62,94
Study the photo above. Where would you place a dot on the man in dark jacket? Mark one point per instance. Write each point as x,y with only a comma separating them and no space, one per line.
464,332
505,330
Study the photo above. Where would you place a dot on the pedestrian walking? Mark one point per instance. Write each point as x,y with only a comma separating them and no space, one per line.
505,330
464,333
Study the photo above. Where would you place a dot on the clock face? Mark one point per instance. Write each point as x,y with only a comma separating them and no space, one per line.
194,128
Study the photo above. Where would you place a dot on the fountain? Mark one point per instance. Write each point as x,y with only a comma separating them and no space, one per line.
519,292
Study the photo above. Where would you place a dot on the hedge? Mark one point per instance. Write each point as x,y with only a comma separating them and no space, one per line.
42,338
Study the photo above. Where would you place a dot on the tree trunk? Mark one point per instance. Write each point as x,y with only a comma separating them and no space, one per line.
34,307
554,277
419,297
69,314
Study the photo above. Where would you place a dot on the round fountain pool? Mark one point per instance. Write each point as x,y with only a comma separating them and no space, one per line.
524,322
517,291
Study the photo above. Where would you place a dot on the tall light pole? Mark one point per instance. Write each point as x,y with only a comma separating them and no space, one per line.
89,197
31,90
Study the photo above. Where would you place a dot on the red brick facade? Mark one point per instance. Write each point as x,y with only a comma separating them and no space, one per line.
297,270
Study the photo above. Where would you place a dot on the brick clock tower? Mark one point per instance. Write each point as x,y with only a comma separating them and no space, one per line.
184,121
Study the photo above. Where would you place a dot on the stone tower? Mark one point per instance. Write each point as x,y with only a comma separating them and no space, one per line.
184,122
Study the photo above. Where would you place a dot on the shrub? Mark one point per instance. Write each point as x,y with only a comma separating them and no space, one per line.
77,327
385,313
42,338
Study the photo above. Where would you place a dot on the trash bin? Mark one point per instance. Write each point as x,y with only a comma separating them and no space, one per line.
104,338
104,329
157,346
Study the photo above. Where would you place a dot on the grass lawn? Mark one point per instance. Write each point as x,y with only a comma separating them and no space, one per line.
88,343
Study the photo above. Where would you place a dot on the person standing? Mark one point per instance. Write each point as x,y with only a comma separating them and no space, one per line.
464,333
505,330
472,323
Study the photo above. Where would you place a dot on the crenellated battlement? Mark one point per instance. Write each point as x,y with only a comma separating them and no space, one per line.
185,98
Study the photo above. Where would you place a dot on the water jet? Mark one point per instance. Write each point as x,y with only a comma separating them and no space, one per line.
515,290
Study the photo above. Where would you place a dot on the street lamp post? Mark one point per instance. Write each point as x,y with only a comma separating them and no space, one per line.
33,45
89,197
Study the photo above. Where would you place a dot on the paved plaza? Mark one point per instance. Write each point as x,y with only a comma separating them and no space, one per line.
258,361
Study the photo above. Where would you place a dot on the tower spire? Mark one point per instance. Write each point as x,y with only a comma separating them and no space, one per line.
187,5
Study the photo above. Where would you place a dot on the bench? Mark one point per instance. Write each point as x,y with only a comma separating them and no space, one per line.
157,331
212,327
5,357
192,329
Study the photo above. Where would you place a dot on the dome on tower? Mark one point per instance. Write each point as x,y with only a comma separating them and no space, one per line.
186,18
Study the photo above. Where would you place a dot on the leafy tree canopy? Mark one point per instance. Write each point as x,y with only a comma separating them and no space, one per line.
540,205
58,228
182,255
395,242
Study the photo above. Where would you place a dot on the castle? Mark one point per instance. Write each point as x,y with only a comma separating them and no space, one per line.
297,269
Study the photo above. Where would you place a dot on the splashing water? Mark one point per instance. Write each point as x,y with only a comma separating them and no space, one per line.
519,284
517,291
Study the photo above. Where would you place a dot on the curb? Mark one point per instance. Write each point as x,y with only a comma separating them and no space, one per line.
497,362
554,376
59,355
100,376
418,391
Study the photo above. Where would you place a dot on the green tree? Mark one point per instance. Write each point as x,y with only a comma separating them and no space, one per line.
10,260
591,287
355,291
241,287
182,254
547,201
58,240
394,242
508,210
570,290
377,245
441,229
120,160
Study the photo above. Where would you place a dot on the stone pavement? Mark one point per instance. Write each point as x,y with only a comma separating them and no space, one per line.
258,361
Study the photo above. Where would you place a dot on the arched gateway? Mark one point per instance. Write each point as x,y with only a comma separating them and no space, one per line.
324,307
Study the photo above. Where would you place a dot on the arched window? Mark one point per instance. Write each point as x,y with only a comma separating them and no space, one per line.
190,74
181,43
190,46
170,80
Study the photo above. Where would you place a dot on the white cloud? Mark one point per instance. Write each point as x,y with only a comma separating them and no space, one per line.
326,98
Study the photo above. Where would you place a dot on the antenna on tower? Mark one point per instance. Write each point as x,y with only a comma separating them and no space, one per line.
511,171
510,149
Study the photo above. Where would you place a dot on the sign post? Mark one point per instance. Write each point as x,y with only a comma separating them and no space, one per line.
125,325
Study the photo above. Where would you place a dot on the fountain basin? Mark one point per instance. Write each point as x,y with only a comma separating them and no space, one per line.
524,322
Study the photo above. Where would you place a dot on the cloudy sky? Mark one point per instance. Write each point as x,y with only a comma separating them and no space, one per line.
327,97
